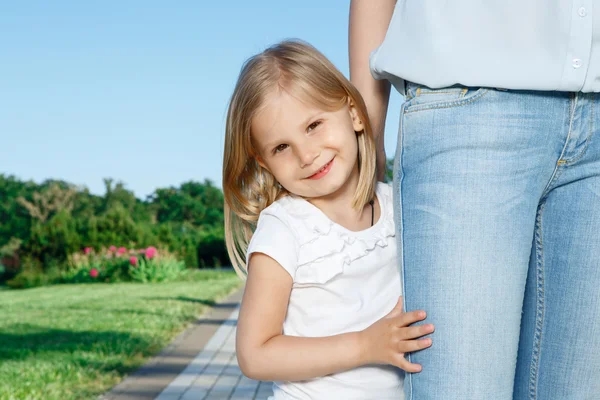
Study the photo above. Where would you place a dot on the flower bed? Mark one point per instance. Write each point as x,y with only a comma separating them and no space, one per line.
108,265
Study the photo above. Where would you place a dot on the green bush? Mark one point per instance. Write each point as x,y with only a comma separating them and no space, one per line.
211,248
28,279
107,265
54,239
123,265
157,269
32,275
9,259
116,226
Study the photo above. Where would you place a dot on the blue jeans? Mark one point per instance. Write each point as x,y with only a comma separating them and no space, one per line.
498,218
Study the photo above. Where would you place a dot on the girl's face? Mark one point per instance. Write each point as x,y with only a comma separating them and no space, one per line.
311,152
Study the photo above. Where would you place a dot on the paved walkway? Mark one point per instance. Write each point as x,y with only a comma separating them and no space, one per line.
200,364
215,374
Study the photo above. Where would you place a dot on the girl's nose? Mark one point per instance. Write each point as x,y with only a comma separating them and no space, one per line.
308,156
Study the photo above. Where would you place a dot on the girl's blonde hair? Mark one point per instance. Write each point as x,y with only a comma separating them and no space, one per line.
308,75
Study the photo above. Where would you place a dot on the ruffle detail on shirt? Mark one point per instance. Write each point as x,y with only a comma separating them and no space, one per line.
327,247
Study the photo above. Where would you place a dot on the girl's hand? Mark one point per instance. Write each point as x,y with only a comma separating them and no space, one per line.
387,340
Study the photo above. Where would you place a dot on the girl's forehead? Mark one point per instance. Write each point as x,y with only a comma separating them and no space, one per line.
278,110
284,107
306,94
289,97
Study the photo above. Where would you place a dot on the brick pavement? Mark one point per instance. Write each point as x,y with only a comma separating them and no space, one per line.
214,374
200,364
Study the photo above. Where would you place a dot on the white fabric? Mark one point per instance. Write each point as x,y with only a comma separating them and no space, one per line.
343,282
510,44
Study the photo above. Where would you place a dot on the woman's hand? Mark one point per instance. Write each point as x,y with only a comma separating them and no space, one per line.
387,340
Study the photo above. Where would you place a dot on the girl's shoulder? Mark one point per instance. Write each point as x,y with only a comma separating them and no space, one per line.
295,214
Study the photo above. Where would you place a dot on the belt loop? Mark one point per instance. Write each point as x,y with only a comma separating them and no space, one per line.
408,94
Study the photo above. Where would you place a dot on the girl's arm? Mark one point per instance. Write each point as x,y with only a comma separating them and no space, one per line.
264,353
369,22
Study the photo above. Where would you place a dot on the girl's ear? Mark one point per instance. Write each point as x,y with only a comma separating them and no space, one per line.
260,162
357,124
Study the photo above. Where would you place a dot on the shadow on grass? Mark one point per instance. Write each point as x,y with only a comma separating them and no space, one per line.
209,303
30,341
125,311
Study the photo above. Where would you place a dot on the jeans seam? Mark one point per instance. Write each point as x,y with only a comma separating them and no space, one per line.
539,315
452,104
440,92
557,171
587,139
564,149
400,229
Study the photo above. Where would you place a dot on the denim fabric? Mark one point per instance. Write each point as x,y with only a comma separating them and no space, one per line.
498,218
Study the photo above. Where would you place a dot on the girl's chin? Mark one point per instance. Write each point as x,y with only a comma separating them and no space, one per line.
327,191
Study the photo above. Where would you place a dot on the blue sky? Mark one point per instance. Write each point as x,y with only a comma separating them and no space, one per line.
138,90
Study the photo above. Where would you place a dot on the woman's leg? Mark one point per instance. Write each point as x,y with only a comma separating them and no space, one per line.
559,353
471,168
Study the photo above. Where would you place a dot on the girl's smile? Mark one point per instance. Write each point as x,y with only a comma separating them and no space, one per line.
323,171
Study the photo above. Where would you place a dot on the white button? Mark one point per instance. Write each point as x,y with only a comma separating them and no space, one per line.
582,12
576,63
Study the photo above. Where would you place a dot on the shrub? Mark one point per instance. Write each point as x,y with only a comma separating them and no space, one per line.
32,275
106,265
122,265
54,239
28,279
211,248
157,269
9,259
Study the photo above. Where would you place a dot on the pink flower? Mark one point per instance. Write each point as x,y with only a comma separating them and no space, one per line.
150,252
122,250
94,273
112,248
87,250
133,261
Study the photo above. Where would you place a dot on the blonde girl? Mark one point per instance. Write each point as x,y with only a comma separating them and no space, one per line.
312,231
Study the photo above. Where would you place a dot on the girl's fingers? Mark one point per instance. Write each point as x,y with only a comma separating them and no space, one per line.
409,346
413,332
407,366
410,318
397,310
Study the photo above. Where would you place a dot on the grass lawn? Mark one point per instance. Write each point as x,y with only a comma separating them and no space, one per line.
77,341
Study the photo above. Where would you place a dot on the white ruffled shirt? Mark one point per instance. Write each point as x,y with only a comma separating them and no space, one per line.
343,281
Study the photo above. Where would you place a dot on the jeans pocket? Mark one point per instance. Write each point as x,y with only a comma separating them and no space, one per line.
421,98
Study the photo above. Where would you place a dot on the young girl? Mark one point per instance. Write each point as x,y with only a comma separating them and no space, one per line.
304,213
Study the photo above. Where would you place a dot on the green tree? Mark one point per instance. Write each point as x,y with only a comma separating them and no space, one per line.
15,221
53,240
200,204
389,170
116,227
118,194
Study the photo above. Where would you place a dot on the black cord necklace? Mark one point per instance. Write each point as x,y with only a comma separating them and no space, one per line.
372,211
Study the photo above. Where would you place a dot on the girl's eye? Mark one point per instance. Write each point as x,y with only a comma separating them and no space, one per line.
280,148
313,126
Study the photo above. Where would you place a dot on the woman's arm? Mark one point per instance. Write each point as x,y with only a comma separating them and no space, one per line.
369,21
264,353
